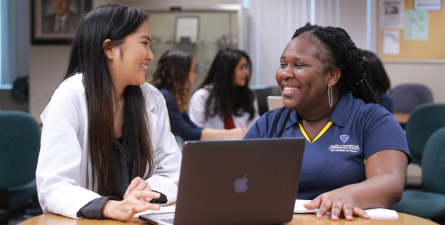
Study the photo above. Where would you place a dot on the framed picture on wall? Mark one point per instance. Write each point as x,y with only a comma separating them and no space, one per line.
187,29
56,21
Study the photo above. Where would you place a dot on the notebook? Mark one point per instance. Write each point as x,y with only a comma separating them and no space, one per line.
251,181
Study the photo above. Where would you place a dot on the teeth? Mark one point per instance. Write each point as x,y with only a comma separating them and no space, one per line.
143,66
290,89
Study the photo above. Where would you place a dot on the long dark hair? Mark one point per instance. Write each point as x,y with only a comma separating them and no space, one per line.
172,74
224,95
339,51
112,22
376,75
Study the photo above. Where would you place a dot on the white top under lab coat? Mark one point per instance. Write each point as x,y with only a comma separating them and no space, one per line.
64,172
197,112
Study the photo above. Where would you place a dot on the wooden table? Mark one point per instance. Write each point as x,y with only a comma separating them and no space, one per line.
303,219
401,117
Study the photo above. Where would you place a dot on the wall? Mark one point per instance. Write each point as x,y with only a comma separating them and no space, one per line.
6,102
268,18
49,63
431,75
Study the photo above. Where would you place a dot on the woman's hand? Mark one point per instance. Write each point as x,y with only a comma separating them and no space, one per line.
132,204
337,201
237,133
138,184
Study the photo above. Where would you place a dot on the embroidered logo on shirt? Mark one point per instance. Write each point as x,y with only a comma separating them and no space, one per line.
344,148
344,138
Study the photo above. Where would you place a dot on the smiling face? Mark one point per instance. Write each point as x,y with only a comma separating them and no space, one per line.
192,76
301,76
129,61
241,72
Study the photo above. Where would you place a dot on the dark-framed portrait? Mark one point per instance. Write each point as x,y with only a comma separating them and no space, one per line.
56,21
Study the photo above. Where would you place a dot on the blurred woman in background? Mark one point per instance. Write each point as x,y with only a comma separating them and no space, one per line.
379,81
175,77
224,100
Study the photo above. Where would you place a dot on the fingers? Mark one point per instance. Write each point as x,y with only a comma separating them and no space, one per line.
141,208
134,183
336,209
324,207
348,211
360,212
145,194
314,204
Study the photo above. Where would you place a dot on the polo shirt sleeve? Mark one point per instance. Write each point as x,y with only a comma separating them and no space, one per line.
382,132
180,126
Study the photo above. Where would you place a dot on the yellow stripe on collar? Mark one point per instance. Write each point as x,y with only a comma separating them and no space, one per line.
319,135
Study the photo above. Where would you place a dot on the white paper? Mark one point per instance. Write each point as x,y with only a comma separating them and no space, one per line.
299,208
163,209
428,5
416,25
391,42
373,213
391,13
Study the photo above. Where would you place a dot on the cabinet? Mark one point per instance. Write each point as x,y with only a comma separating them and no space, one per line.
219,26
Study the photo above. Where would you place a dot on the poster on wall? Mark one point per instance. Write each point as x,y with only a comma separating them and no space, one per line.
416,25
391,42
391,14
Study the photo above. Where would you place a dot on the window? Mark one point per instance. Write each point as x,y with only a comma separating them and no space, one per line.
14,41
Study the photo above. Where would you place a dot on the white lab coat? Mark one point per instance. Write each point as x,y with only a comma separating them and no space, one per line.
197,112
64,172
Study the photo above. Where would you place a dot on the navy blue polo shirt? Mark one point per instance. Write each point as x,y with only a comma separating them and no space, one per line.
337,157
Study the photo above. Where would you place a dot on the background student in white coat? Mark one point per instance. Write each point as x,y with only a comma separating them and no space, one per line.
174,77
106,149
224,100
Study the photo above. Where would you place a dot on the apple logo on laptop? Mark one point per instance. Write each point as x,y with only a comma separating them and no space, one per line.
241,184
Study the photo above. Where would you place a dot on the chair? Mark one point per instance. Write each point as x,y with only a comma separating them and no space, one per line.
262,94
429,203
423,121
19,151
408,96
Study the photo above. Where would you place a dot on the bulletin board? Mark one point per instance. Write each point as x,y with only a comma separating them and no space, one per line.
431,49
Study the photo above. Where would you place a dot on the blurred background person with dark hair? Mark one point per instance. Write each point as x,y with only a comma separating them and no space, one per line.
379,81
62,21
224,100
175,77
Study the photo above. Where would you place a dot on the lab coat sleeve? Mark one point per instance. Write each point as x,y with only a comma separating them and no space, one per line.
59,170
166,177
197,107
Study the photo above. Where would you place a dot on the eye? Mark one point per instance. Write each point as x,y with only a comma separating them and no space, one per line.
282,64
298,65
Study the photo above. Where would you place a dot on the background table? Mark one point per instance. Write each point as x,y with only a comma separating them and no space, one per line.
305,219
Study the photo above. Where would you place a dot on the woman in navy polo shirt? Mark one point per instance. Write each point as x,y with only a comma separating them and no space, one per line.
174,77
356,153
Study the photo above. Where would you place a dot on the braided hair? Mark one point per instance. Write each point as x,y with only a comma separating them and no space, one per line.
339,51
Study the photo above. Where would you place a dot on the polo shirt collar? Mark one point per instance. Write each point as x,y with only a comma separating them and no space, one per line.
339,116
343,109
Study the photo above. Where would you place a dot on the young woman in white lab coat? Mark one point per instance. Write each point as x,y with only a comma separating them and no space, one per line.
106,147
224,100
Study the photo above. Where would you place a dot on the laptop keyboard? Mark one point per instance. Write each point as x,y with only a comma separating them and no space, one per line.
168,220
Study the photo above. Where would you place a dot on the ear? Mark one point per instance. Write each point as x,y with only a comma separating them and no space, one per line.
334,76
109,49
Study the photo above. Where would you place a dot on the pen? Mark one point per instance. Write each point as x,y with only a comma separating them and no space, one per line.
240,124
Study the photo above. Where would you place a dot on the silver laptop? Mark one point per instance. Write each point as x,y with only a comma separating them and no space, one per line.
251,181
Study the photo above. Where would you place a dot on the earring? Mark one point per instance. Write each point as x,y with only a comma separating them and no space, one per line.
330,97
110,56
